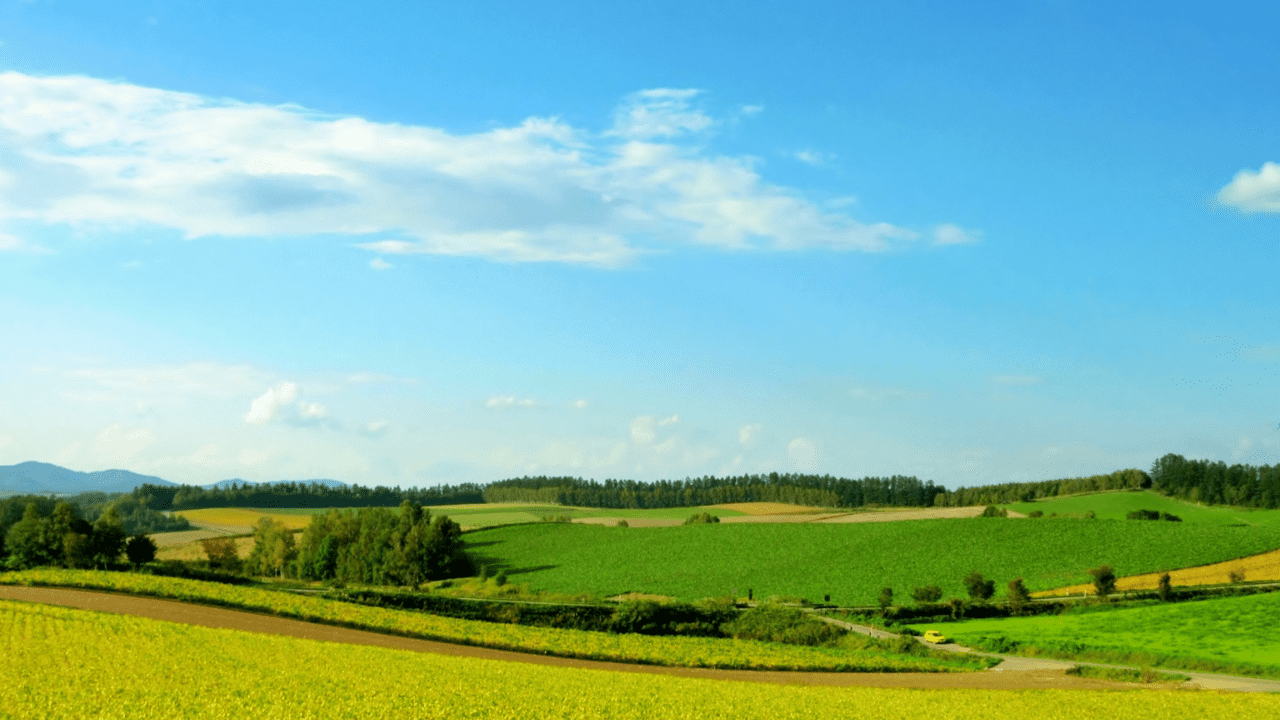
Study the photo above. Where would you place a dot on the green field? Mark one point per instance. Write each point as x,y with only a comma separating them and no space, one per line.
1237,635
850,562
1115,505
61,663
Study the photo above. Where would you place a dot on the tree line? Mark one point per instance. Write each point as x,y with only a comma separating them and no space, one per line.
1217,483
1132,479
819,490
49,532
300,495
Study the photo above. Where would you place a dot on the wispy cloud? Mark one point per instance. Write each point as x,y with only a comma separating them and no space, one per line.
13,243
811,157
507,402
948,234
1254,191
1022,380
92,153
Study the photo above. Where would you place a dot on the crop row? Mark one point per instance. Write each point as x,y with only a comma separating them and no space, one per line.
58,663
851,562
672,651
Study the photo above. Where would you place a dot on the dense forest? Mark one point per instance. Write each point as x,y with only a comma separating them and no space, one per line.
1217,483
300,495
820,490
1028,491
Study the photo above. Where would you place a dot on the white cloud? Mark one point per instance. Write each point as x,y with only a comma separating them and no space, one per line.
380,264
1022,380
506,402
377,428
13,243
91,154
114,444
265,407
747,434
752,109
810,157
948,234
661,112
803,454
580,404
1254,191
671,420
643,431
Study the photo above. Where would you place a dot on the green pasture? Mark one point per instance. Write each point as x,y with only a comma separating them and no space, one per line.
851,562
1115,505
1234,634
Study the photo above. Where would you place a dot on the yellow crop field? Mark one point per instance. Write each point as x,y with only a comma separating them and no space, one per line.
588,645
242,518
195,551
1255,567
61,663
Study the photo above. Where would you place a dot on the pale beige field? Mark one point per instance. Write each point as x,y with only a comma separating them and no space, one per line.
195,551
766,508
1255,567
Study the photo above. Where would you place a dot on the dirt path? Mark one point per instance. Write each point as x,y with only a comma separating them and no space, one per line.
223,618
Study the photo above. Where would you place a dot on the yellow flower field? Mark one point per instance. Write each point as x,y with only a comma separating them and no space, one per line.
62,663
1265,566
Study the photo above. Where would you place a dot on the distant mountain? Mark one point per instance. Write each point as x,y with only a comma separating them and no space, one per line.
228,483
41,478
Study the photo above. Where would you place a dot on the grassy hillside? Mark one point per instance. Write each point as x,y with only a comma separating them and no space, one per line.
1115,505
851,562
62,663
1236,634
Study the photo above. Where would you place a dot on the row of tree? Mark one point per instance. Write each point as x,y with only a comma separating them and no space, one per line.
1027,491
300,495
820,490
1216,483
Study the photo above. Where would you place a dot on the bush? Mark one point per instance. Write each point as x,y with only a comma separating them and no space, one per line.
704,518
140,550
1143,515
775,623
647,617
979,587
1018,597
1104,580
1035,514
1236,575
1170,518
885,599
993,511
221,552
1165,589
623,523
927,594
500,579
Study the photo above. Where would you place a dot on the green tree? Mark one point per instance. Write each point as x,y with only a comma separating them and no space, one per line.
927,594
1104,580
140,550
979,587
273,548
1018,597
1165,589
885,599
32,541
221,552
957,608
107,539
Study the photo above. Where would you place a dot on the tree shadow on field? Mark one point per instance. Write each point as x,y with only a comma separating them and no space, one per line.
481,544
536,568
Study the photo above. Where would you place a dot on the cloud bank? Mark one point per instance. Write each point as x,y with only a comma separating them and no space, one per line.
95,154
1254,191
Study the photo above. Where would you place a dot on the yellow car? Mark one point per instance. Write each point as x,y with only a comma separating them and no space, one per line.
933,636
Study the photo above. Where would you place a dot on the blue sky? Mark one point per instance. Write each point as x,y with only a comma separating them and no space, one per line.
408,244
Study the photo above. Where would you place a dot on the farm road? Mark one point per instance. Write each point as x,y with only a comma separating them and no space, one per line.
1017,664
223,618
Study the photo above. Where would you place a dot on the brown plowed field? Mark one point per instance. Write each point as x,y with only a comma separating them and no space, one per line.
215,617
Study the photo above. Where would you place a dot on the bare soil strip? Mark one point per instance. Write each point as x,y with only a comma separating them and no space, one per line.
223,618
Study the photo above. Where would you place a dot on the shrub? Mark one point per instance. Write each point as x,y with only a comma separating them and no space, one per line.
623,523
140,550
776,623
993,511
1236,575
500,579
885,599
956,606
979,587
1018,597
1143,515
704,518
1035,514
221,552
1090,515
927,594
1165,589
1170,518
1104,580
